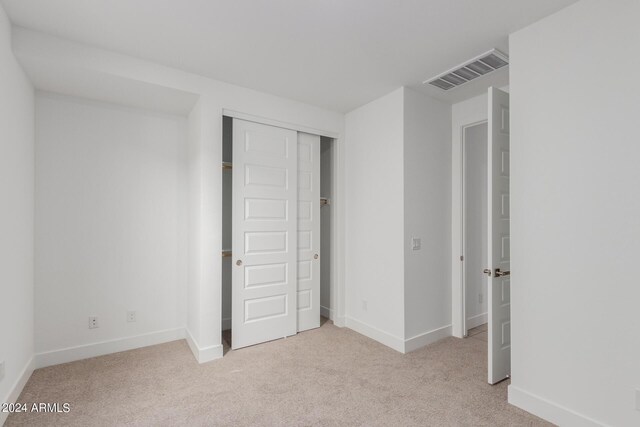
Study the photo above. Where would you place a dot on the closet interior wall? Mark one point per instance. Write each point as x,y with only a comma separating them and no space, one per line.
326,213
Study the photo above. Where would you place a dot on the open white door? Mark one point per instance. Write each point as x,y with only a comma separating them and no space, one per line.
308,231
264,233
499,283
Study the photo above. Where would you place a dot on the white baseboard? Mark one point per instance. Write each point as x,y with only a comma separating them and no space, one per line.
18,387
426,338
375,334
548,410
86,351
398,344
326,312
203,354
339,321
226,324
475,321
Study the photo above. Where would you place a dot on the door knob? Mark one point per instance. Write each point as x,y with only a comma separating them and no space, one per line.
238,263
487,271
315,256
502,273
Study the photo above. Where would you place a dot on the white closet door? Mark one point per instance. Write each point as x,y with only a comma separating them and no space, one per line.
499,288
308,231
264,233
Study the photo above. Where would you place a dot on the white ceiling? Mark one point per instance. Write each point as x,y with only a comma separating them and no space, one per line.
337,54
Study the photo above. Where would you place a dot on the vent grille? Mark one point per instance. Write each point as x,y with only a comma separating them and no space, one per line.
477,67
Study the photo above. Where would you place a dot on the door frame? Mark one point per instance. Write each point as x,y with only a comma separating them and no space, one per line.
337,290
463,244
466,113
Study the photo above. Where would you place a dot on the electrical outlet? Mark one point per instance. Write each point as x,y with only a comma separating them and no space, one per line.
93,322
1,370
480,298
364,305
131,316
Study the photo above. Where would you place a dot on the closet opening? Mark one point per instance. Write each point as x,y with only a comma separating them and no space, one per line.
227,188
327,146
474,230
269,216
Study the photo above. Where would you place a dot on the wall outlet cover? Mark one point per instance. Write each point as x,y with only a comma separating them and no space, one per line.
93,322
131,316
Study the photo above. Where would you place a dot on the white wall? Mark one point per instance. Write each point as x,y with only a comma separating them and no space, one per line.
375,219
427,215
72,61
194,179
111,223
575,215
475,224
16,219
398,169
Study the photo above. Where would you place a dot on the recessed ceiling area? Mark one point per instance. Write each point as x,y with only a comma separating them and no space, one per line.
334,54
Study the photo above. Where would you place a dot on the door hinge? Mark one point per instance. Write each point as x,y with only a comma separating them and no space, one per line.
461,258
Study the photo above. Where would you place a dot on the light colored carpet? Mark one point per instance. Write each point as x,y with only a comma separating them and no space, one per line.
328,376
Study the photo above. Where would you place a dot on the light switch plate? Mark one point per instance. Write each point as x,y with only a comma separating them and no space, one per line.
416,243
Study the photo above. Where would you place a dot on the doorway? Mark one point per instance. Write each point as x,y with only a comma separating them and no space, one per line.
312,246
474,235
484,281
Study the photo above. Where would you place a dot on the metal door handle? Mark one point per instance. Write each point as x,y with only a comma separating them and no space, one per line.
315,256
238,263
502,273
487,271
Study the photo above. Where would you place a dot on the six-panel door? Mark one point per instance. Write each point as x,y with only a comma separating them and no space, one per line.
264,241
499,289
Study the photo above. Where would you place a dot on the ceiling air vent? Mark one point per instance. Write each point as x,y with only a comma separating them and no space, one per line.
476,67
